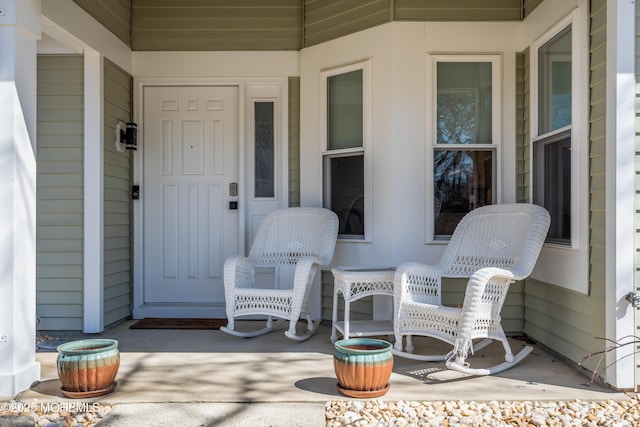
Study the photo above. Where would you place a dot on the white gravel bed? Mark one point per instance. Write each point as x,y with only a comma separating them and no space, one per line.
378,413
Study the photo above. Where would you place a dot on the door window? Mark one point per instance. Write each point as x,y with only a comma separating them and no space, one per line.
264,151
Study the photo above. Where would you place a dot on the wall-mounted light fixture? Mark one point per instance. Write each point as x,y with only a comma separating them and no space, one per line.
126,136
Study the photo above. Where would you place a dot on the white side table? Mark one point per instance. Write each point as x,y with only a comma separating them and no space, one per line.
356,283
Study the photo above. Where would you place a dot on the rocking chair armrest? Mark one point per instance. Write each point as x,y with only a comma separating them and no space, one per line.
475,303
483,275
418,282
304,267
238,272
304,274
478,282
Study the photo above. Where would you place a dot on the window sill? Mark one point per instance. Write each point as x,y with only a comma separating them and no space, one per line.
563,266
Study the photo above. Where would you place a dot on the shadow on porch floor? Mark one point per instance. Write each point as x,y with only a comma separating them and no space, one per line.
211,366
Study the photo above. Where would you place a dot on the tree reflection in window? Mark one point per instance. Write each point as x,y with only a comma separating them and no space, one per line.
457,116
462,177
463,181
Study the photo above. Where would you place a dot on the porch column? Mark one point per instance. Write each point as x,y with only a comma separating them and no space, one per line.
19,32
620,189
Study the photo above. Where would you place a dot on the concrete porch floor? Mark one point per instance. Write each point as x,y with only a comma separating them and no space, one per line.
210,367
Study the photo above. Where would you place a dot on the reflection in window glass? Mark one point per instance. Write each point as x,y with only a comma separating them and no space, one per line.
464,103
553,188
264,150
463,181
344,110
347,193
554,104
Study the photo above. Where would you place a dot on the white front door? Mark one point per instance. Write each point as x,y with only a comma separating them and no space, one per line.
190,173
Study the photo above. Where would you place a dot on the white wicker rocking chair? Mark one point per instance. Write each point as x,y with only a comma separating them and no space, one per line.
294,242
493,246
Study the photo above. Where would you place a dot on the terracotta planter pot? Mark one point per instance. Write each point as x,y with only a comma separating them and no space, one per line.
363,366
88,368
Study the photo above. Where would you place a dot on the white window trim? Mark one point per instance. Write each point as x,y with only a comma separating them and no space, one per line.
431,132
367,133
568,266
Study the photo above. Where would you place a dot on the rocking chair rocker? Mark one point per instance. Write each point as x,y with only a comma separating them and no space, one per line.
493,246
291,243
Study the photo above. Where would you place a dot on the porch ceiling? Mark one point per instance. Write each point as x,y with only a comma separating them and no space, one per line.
208,25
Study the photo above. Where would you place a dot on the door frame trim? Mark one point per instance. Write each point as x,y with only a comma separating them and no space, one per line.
139,84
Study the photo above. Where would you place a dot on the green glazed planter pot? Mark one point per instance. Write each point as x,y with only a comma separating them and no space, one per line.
363,366
88,368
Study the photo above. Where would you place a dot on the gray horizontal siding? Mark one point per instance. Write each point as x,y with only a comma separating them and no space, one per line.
294,141
115,15
529,6
217,25
523,134
225,25
460,10
59,209
568,322
118,250
329,19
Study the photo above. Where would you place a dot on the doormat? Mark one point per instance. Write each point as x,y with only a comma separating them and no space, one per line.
160,323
